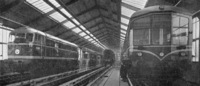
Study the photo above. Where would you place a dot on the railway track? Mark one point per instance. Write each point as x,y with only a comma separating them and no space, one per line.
86,79
52,80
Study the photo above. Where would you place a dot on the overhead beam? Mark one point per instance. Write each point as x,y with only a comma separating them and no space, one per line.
80,42
67,37
91,20
40,17
54,26
93,8
98,30
86,11
83,44
71,2
77,39
104,33
124,16
99,37
124,24
97,24
103,39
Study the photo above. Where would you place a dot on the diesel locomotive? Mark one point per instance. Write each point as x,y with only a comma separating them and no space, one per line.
37,54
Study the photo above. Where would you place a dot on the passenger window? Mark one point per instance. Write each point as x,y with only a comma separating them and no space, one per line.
179,30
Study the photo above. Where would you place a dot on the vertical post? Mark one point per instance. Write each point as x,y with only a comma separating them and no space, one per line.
1,42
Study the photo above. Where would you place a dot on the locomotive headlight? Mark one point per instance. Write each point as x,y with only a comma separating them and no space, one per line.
139,54
161,54
183,54
17,51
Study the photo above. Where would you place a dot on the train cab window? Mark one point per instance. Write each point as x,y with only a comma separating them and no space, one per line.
179,30
50,42
160,32
141,31
39,39
21,37
29,37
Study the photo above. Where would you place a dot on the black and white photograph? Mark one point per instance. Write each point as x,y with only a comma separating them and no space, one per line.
99,42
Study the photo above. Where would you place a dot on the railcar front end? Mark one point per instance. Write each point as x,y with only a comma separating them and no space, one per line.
159,45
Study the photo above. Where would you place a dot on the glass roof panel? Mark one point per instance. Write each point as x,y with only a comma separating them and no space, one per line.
69,24
77,30
124,20
57,16
31,1
122,35
37,2
41,5
89,33
124,27
87,37
136,3
126,11
90,39
83,27
65,12
122,31
75,21
55,3
82,34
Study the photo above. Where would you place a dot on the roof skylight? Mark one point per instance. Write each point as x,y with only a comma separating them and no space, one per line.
136,3
44,7
69,24
77,30
87,37
90,39
124,27
126,11
41,5
83,27
55,3
124,20
65,12
122,35
75,21
82,34
122,31
57,16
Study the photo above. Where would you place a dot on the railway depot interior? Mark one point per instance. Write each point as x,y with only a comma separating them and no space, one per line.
99,43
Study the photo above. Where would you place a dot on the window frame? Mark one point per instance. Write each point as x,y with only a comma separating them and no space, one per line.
195,40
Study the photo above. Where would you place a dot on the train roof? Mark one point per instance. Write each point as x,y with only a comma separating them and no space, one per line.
31,30
160,8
